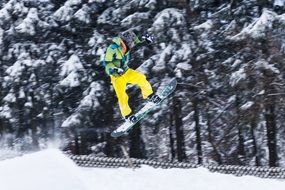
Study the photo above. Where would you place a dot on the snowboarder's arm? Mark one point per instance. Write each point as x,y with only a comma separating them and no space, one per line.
144,39
111,62
109,56
111,69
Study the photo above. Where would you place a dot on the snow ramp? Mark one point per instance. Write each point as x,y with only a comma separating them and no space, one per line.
45,170
52,170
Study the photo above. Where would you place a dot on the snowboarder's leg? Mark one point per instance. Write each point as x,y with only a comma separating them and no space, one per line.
137,78
119,84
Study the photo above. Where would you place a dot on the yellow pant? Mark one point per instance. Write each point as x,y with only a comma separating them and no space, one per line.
120,83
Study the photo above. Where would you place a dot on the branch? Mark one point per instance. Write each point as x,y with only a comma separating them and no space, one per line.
220,114
276,94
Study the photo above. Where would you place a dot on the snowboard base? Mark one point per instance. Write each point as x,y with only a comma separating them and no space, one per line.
127,125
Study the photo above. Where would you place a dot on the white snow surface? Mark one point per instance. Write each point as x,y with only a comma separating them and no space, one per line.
259,27
70,71
28,24
279,3
237,76
52,170
205,26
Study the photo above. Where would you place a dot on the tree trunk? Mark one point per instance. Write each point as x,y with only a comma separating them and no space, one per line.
172,136
21,121
241,147
33,122
179,130
216,155
136,145
255,151
198,132
271,135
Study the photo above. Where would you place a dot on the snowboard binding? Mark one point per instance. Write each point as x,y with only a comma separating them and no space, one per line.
154,98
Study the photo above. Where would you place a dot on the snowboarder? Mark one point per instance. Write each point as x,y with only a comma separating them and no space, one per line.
116,62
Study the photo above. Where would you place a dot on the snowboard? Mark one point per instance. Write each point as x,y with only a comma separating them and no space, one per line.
148,107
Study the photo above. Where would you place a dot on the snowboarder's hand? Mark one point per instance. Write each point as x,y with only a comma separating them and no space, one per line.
118,71
148,38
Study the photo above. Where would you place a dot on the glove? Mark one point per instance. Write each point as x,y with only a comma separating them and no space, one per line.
117,71
148,38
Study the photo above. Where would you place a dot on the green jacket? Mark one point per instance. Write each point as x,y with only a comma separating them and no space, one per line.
115,57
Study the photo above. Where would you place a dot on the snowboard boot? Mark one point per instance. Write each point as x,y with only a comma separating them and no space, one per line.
131,118
154,98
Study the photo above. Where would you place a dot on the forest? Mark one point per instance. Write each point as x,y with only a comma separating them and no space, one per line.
228,57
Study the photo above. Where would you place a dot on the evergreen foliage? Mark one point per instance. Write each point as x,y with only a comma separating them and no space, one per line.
227,55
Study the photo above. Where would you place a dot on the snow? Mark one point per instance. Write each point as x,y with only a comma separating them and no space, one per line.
265,65
106,16
72,2
45,170
258,28
170,15
150,4
97,1
160,64
72,80
28,24
4,15
71,121
237,76
65,13
279,3
262,92
135,18
91,98
15,71
206,25
97,38
281,18
5,112
10,98
51,169
247,105
82,14
10,8
182,53
236,63
184,66
70,71
97,42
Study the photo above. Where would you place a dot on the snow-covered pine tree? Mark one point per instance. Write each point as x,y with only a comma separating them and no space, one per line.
227,56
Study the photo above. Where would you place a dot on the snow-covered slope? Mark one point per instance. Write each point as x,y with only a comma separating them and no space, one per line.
52,170
46,170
